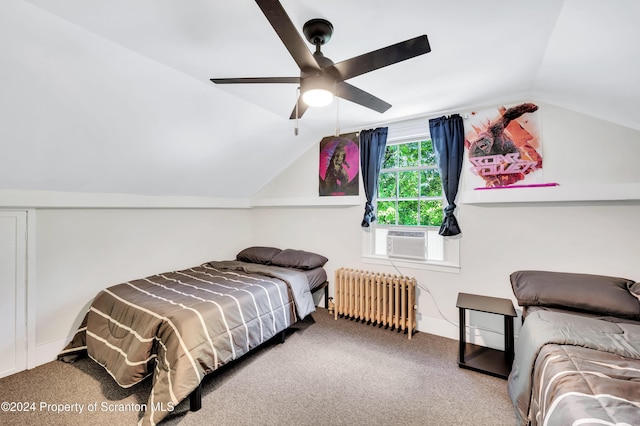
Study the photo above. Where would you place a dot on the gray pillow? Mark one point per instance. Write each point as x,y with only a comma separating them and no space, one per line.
298,259
635,290
592,293
257,254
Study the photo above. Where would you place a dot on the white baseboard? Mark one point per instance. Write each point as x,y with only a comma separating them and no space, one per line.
47,352
437,326
492,336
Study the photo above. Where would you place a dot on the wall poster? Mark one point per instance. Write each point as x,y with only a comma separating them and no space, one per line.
504,146
339,165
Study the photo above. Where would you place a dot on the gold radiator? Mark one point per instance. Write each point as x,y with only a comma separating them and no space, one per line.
379,299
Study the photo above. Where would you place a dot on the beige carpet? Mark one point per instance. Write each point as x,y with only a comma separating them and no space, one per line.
328,372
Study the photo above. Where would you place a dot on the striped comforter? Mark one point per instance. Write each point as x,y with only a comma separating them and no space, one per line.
577,384
574,370
179,326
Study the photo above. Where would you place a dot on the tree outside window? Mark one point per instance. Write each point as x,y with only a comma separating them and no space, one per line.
409,186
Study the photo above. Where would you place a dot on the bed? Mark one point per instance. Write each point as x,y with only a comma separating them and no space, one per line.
577,358
179,326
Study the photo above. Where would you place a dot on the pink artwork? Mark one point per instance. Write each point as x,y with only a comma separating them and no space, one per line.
504,146
339,165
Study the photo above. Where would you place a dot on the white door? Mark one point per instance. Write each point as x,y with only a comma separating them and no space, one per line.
13,303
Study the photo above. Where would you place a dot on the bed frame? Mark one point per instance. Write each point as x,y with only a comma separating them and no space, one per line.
195,397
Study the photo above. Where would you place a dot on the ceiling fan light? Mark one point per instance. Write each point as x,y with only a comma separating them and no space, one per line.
317,97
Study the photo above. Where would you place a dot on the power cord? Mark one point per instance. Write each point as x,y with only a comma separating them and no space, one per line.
424,287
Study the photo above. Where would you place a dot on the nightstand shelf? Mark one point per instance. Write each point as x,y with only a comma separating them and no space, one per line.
479,358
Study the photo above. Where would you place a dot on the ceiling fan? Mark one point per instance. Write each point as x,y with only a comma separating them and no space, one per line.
319,76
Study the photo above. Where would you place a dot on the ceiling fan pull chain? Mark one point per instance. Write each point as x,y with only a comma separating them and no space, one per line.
297,100
337,116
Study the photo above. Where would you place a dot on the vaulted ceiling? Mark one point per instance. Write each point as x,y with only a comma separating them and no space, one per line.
114,95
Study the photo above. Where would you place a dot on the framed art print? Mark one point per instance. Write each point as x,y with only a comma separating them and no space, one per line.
504,146
339,165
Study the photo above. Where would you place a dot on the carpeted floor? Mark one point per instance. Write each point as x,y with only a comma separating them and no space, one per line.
328,372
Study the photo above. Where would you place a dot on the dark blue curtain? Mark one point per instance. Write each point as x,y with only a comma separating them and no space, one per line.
372,148
447,135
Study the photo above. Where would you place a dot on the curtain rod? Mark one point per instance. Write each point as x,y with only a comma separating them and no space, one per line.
465,113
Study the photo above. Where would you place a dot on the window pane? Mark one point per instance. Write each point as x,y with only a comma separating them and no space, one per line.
431,212
408,184
387,185
428,153
390,157
407,212
409,154
430,183
410,195
386,212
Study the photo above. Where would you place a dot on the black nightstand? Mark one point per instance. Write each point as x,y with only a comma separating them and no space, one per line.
479,358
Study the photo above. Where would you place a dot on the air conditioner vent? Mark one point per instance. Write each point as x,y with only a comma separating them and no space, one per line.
407,244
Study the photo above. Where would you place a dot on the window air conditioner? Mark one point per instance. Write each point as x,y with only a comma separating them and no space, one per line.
408,244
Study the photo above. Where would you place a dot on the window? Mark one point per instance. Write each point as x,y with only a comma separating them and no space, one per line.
409,187
410,198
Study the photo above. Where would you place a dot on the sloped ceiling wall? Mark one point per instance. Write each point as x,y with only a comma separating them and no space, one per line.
113,96
80,113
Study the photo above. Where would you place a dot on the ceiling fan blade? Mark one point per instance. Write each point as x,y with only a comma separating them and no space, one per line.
287,32
382,57
358,96
255,80
302,108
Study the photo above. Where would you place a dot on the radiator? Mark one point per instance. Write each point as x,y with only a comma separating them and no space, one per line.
378,299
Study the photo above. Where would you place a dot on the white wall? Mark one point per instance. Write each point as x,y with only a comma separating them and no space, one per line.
81,113
598,237
81,251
